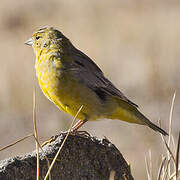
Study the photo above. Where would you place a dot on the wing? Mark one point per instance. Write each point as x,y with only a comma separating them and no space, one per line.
84,61
92,76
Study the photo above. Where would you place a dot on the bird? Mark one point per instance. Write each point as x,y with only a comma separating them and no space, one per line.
71,79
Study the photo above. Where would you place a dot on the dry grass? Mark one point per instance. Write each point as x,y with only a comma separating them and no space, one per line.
35,131
57,154
169,165
14,143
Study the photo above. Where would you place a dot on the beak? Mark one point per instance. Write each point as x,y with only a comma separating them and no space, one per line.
29,42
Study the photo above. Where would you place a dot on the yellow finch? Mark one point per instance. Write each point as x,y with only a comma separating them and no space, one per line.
70,79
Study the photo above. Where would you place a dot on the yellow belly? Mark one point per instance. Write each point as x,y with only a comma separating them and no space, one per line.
69,94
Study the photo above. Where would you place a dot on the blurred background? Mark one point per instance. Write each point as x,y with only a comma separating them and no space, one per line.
135,42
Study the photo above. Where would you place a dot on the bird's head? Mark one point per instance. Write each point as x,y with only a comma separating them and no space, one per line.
45,38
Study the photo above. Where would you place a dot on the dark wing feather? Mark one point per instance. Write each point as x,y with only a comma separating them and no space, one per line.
92,76
111,89
84,61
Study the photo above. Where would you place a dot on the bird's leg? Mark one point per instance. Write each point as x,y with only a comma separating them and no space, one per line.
73,130
78,125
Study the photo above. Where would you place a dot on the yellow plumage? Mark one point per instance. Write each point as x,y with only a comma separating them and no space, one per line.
71,79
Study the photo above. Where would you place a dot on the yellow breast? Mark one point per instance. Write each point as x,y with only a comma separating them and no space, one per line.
60,89
47,75
64,90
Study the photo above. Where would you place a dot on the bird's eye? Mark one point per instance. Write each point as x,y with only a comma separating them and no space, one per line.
38,37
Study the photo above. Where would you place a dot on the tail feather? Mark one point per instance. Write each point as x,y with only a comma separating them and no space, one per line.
147,122
156,128
129,113
150,124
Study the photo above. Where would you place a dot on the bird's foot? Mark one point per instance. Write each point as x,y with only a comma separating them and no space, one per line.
81,133
72,132
53,138
75,132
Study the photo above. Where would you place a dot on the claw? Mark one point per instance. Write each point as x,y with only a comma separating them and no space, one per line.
53,138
